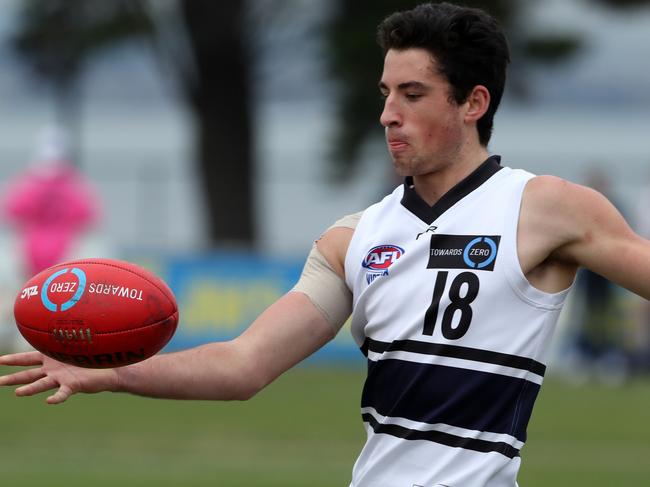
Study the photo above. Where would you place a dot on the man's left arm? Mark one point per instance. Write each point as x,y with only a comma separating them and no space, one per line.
593,234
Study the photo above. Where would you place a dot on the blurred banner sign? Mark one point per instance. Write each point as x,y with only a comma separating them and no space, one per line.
220,294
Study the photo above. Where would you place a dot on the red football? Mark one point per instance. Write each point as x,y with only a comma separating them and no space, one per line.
96,313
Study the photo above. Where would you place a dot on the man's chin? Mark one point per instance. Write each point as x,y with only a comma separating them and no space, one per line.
401,170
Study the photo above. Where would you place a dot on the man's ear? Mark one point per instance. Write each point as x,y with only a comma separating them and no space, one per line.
477,103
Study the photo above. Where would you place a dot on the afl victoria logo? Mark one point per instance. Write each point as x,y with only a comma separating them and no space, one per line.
67,285
380,258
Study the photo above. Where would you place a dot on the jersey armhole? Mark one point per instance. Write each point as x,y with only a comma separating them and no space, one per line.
515,275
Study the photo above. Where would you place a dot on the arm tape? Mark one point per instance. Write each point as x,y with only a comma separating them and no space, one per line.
325,289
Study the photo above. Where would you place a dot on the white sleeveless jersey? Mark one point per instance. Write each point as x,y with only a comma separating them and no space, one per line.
455,336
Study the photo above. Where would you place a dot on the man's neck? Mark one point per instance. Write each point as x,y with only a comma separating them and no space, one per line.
432,186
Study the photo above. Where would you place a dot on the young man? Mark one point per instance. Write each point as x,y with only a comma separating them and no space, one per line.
455,280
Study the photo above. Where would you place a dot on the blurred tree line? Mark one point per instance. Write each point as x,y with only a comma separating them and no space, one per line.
206,47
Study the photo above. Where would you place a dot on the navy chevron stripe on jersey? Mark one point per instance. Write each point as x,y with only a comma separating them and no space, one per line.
448,439
463,398
455,351
416,205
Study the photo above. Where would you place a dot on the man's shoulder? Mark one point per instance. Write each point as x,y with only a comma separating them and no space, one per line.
348,221
351,221
558,212
552,192
547,183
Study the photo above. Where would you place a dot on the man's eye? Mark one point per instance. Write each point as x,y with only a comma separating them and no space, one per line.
413,96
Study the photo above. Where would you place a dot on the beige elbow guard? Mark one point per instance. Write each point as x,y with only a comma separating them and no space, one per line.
325,289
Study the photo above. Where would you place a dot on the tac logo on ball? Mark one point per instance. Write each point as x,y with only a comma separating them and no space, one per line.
68,284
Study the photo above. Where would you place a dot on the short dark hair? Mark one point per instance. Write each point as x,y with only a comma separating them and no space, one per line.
468,45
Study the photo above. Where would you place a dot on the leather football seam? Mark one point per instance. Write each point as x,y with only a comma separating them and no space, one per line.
102,332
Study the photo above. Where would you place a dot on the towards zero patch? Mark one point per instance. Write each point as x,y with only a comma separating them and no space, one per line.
463,252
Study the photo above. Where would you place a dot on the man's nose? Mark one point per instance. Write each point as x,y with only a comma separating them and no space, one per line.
390,115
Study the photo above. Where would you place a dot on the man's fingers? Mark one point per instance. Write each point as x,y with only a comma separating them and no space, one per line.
59,396
41,385
34,381
22,359
22,377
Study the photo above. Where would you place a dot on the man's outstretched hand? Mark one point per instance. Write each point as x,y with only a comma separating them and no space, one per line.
49,374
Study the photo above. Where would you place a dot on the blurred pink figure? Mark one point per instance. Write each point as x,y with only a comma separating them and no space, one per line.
50,204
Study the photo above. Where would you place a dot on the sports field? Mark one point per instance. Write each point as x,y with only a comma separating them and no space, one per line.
304,430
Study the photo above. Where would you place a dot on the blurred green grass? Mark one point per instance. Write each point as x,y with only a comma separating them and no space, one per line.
302,430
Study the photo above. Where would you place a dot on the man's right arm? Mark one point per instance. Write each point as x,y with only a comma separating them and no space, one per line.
288,331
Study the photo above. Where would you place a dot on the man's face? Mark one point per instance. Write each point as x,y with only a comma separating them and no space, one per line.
424,127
